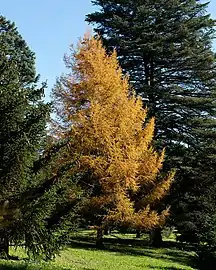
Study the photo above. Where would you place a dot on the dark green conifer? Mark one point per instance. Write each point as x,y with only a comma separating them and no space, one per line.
28,196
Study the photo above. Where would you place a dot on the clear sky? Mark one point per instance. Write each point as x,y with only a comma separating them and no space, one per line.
50,26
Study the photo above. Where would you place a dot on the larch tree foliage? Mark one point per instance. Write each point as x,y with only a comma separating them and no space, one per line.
103,120
166,48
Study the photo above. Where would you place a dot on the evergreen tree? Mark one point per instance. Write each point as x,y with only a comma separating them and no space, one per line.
113,148
197,212
28,197
49,208
166,48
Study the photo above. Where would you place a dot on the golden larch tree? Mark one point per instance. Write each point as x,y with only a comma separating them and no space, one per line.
106,129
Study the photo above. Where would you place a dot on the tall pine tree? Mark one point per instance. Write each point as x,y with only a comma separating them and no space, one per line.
166,47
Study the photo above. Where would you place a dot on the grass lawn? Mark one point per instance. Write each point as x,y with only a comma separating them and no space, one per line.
121,253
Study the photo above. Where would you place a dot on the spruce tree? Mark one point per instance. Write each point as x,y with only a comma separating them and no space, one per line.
26,202
166,48
196,213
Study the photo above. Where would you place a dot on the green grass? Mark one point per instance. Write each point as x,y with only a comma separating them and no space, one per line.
121,253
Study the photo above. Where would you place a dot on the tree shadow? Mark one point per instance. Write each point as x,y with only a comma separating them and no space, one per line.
162,267
170,253
166,255
8,265
5,267
205,260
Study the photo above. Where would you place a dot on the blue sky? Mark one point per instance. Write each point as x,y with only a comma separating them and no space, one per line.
50,26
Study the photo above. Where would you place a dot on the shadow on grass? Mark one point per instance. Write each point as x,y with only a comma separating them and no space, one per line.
170,252
206,260
8,265
163,267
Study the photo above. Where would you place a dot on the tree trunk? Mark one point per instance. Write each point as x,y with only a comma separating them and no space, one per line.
156,238
106,230
138,233
99,240
4,245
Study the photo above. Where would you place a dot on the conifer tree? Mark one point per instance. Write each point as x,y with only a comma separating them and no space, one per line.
196,215
103,120
166,48
26,203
